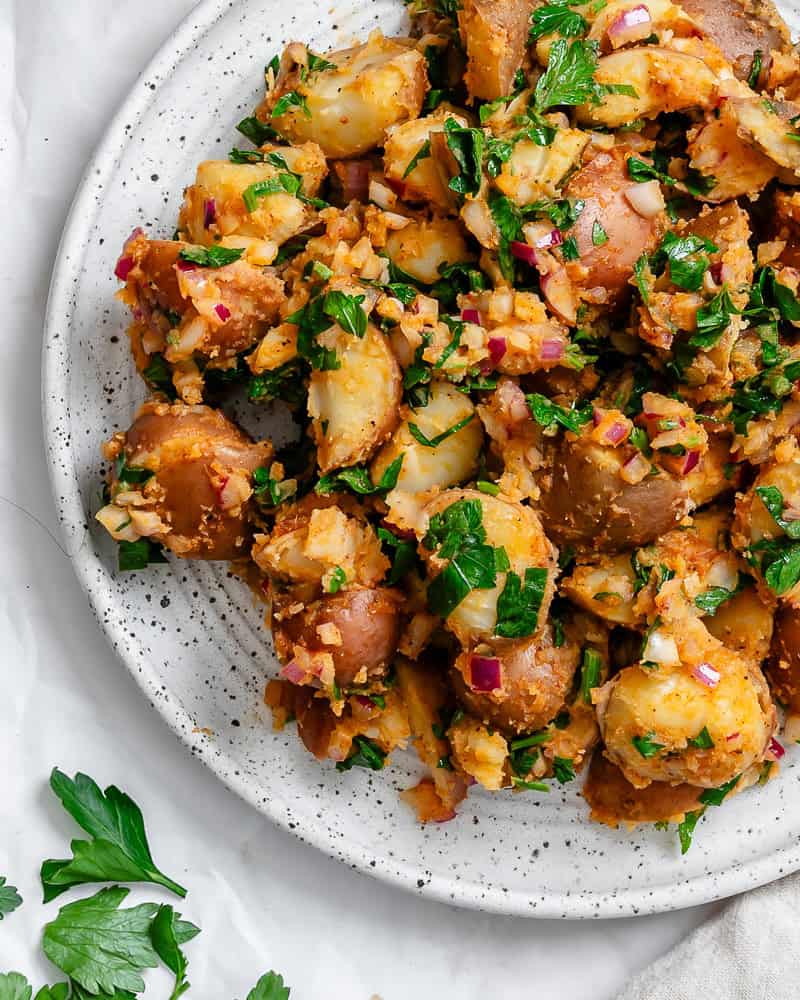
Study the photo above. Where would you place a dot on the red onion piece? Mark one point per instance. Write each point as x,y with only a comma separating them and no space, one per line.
630,26
553,239
551,350
222,311
616,432
733,736
185,265
293,672
209,212
497,348
485,673
707,675
776,749
523,251
471,316
124,267
691,461
716,272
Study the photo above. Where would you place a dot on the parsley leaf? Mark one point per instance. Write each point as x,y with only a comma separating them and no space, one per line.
138,554
163,936
563,770
518,605
364,752
550,415
569,77
403,557
712,600
316,64
713,320
256,131
599,235
687,264
311,320
646,745
14,986
702,741
291,99
357,480
346,311
772,498
118,851
423,153
716,796
591,668
285,382
282,184
269,987
434,442
556,18
101,947
755,69
10,899
686,829
215,256
466,145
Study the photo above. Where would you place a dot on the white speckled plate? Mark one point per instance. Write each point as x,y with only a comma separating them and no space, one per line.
190,634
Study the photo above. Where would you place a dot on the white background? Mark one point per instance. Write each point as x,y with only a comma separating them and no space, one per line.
263,900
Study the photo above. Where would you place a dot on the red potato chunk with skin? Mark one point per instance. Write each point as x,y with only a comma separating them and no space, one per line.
536,680
494,34
196,500
359,627
614,800
783,670
182,310
601,184
586,503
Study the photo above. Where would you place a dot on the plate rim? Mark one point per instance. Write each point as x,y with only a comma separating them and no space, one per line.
64,484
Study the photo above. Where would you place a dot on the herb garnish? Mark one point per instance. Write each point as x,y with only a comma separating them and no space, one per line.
214,256
357,480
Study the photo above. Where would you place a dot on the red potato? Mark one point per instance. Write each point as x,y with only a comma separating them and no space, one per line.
739,28
783,670
536,679
584,501
196,501
614,800
366,630
494,34
602,184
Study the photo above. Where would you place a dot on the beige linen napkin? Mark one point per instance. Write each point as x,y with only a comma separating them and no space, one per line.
748,951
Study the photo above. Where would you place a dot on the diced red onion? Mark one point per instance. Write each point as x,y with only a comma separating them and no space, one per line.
523,251
776,749
707,675
551,350
135,233
293,672
636,468
691,461
222,311
553,239
471,316
485,673
497,348
630,26
716,272
209,212
124,267
185,265
616,432
733,736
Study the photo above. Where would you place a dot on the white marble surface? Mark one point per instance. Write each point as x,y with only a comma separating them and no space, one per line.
263,900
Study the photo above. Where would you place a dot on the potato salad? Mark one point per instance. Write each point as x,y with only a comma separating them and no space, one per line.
526,282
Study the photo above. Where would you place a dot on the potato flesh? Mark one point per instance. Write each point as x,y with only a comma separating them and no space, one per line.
375,86
494,33
428,180
355,407
534,171
449,463
422,248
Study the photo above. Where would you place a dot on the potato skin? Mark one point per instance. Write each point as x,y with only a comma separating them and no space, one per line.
368,619
537,677
585,503
602,183
192,450
738,28
783,669
494,33
613,799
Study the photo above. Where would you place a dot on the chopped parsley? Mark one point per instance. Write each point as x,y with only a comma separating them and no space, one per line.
569,77
257,131
563,770
599,235
285,382
686,829
687,261
591,669
755,69
403,554
291,99
466,145
364,752
716,796
423,153
276,491
337,580
434,442
550,415
702,741
357,480
556,19
646,745
713,320
519,603
214,256
139,554
712,599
